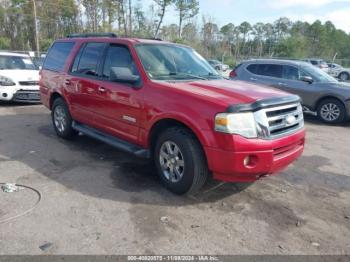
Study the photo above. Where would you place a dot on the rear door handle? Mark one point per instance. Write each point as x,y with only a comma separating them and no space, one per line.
101,89
282,84
253,79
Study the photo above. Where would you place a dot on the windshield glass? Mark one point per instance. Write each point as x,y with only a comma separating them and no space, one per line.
172,62
317,74
16,62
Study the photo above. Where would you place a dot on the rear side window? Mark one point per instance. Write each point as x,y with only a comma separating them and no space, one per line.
88,59
314,62
271,70
58,55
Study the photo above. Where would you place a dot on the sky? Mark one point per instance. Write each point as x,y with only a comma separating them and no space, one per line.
237,11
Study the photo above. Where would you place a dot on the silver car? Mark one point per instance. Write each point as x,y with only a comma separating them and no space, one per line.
320,92
218,66
339,72
319,63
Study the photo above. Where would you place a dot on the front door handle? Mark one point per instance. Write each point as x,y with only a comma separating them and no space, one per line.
101,89
253,79
282,84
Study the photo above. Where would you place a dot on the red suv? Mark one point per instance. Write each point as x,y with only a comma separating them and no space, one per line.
163,101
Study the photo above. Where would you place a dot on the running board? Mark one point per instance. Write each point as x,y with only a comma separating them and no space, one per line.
111,140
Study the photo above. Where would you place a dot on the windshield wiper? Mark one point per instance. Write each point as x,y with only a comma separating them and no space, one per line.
188,75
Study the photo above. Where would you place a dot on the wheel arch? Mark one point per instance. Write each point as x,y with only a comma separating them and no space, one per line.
162,124
54,95
318,102
344,72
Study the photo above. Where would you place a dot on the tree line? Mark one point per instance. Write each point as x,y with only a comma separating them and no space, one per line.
56,19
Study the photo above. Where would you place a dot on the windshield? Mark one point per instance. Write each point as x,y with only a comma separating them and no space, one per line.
172,62
317,74
16,62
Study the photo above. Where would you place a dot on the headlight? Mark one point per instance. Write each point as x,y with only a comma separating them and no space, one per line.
243,124
5,81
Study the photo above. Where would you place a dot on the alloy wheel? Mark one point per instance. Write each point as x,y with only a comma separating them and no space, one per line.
343,77
171,161
60,118
330,112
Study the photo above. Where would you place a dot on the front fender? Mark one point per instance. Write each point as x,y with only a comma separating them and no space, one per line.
200,132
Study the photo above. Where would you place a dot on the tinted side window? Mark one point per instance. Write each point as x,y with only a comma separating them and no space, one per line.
290,72
118,56
58,55
270,70
253,68
314,62
89,59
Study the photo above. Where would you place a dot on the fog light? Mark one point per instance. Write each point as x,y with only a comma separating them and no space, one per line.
4,94
246,161
250,161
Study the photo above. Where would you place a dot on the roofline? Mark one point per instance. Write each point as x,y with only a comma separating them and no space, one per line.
9,53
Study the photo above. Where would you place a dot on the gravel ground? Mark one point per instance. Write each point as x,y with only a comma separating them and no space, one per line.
96,200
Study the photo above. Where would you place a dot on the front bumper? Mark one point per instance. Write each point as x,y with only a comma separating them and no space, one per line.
268,157
29,96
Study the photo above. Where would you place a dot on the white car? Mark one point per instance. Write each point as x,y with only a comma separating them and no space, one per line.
340,72
19,78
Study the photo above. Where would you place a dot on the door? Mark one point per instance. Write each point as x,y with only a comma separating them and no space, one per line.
291,82
84,83
120,104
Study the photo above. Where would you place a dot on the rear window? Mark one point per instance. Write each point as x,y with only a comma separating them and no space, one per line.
58,55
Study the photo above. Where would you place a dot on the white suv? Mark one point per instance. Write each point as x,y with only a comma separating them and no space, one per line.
19,78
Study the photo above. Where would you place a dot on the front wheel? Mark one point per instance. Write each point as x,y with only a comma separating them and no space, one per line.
180,161
344,76
331,111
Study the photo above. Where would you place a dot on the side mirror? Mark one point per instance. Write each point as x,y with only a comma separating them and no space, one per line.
307,79
123,75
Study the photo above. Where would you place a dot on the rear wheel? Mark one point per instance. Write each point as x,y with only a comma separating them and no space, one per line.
331,111
62,120
180,161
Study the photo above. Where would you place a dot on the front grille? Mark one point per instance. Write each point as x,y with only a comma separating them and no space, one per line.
29,83
283,120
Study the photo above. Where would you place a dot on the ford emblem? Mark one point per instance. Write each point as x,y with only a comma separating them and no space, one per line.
290,120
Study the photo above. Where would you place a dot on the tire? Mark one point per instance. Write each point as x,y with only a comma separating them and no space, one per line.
344,76
190,170
331,111
62,120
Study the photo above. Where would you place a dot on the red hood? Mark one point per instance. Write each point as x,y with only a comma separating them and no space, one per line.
227,91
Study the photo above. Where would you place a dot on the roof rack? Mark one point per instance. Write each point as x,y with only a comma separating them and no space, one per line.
92,35
153,38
